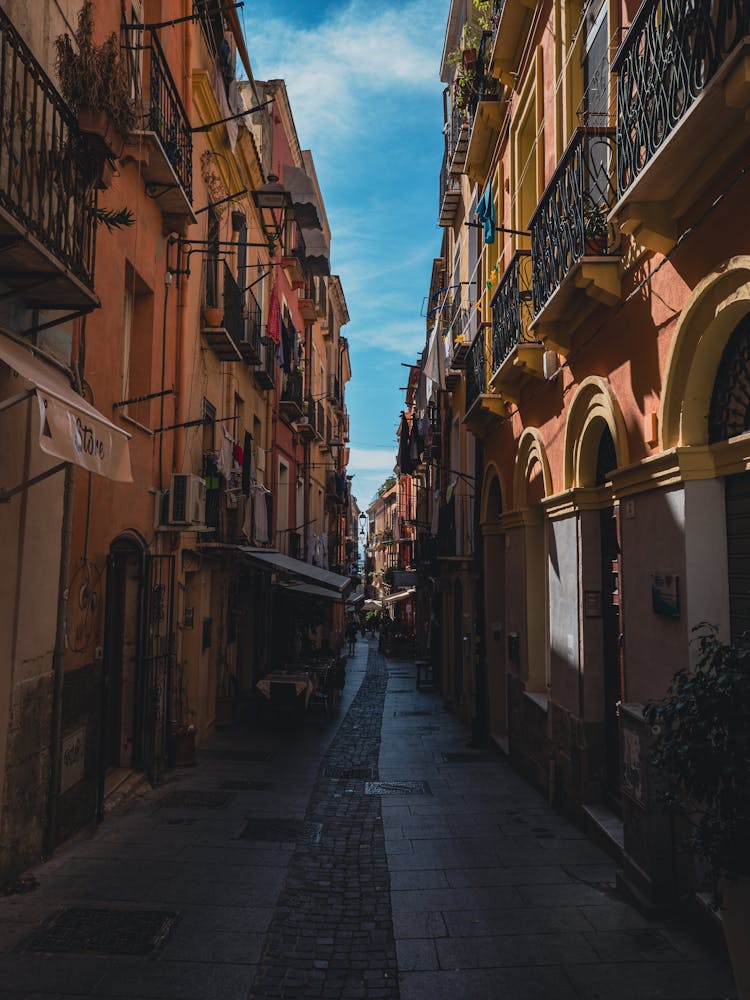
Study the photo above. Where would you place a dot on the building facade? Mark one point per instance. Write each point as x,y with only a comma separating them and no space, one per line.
172,402
589,311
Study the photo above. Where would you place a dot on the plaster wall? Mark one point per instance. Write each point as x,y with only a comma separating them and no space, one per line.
563,577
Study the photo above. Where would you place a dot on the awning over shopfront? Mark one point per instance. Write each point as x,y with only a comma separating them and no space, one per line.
310,590
400,596
371,605
296,570
356,601
70,428
304,199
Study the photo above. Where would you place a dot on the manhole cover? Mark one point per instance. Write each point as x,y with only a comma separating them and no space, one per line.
397,788
106,932
274,830
349,773
248,786
465,758
196,798
241,756
414,712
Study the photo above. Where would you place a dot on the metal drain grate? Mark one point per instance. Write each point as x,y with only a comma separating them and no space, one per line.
105,932
349,773
275,830
414,712
248,786
465,758
397,788
196,798
241,756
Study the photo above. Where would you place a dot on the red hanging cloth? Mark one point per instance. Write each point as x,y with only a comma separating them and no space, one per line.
274,316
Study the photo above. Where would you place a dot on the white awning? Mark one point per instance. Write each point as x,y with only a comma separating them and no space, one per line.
70,428
299,568
400,596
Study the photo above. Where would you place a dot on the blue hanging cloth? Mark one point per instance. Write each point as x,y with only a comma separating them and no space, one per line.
486,214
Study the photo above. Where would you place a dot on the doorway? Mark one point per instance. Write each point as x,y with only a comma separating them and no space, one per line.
611,589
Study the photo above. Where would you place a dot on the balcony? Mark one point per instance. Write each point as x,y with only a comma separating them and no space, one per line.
457,137
294,257
290,401
265,371
47,195
450,194
485,110
512,21
225,338
516,354
307,425
163,143
308,310
483,409
250,346
334,391
574,249
683,94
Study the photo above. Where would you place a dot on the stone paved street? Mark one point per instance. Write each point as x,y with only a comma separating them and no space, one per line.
283,878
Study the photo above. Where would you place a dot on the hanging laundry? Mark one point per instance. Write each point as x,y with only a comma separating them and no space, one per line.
274,316
287,341
247,461
260,514
238,455
224,463
486,214
247,521
404,455
435,367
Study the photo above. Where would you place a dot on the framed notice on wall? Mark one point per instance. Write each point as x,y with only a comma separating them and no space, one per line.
665,594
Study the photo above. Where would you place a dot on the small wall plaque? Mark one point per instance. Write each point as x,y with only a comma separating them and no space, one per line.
73,759
592,603
665,594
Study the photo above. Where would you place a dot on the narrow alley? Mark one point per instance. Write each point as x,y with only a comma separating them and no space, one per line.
370,854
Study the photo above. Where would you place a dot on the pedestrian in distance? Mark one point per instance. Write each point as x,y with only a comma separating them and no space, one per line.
351,634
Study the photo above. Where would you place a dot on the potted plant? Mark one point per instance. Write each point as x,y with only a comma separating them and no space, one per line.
213,316
596,228
702,749
94,82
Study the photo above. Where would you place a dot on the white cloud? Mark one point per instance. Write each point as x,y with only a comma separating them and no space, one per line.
341,73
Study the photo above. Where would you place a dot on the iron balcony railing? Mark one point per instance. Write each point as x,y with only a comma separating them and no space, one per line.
459,123
450,184
253,328
476,371
167,116
46,170
292,389
495,14
233,322
570,221
671,52
483,86
511,308
334,389
311,412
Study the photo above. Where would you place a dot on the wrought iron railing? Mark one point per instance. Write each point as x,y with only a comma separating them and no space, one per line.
233,322
476,371
311,412
496,13
669,55
459,123
46,170
483,86
334,389
449,183
511,308
254,320
320,418
292,389
268,363
167,116
570,221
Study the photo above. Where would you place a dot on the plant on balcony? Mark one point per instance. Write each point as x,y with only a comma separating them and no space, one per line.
702,749
488,14
595,227
94,82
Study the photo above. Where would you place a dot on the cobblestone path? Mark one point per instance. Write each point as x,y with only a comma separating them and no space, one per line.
331,934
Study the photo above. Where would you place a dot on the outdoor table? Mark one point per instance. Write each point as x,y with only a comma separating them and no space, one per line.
302,682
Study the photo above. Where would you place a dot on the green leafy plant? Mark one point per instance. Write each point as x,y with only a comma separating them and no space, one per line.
113,218
93,76
486,14
702,749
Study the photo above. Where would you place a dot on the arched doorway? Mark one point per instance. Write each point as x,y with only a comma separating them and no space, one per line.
611,601
729,417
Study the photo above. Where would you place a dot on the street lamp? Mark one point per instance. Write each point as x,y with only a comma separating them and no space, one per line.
274,204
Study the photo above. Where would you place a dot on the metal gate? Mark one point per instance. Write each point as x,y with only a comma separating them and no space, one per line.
155,676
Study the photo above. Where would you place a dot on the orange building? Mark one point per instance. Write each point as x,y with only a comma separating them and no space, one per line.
592,281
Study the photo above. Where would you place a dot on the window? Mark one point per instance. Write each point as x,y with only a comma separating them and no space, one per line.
209,425
137,330
595,105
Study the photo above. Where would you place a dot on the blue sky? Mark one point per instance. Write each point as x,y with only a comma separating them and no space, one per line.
363,81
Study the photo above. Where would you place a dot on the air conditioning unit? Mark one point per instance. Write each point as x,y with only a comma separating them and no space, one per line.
187,500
